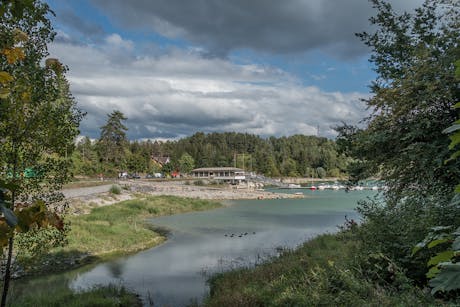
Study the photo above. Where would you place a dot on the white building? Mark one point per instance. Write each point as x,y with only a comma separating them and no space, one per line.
228,174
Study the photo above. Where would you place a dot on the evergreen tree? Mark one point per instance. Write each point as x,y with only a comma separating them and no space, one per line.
113,142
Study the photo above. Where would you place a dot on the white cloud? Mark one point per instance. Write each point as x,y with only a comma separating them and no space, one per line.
115,41
179,93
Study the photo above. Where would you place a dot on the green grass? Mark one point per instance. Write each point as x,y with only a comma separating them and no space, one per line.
121,228
326,271
102,296
114,230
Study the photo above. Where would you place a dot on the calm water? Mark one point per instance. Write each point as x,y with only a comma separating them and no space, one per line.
175,273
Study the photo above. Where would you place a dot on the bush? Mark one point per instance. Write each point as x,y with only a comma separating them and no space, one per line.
394,229
198,182
330,270
115,189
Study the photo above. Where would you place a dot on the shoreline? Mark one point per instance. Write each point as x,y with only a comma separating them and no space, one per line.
82,200
102,244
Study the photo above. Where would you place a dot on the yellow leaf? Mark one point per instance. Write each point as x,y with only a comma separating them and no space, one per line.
5,77
54,64
13,54
20,36
26,96
4,93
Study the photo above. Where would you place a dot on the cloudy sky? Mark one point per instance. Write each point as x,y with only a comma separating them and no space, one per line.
174,68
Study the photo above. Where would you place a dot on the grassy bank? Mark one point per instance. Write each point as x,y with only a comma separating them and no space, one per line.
326,271
104,233
116,230
106,296
121,228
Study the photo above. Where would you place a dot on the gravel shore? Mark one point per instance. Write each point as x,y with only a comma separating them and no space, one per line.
83,199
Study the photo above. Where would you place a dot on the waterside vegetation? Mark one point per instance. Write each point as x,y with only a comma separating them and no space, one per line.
330,270
62,295
113,230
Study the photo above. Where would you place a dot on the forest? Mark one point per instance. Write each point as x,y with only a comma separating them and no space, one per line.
293,156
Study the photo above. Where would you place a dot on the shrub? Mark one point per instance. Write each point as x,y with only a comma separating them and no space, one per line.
115,189
198,182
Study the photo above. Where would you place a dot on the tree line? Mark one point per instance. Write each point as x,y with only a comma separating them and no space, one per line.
293,156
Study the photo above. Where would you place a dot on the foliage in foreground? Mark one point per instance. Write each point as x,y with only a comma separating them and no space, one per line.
414,94
330,270
443,243
39,120
103,296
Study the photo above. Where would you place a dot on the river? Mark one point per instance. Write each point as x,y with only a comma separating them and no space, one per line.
201,243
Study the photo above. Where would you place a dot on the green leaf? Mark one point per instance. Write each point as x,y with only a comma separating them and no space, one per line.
416,249
440,257
447,279
10,217
455,139
437,242
433,272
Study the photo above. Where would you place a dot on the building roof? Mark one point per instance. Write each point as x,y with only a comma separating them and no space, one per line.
218,169
161,160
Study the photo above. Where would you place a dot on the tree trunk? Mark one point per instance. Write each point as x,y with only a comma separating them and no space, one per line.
7,277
